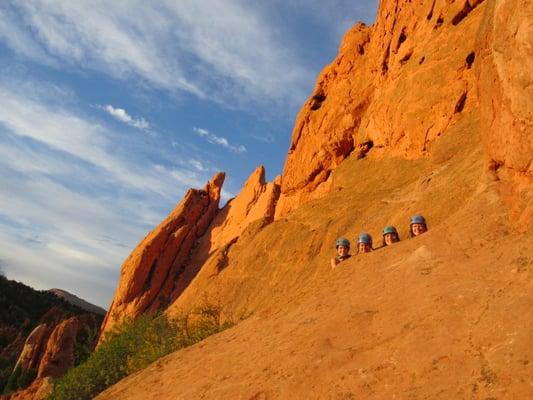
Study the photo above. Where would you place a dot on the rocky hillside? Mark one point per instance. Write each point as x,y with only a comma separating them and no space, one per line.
429,110
41,335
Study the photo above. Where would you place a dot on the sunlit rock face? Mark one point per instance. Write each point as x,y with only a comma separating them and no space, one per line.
393,88
257,199
428,110
149,274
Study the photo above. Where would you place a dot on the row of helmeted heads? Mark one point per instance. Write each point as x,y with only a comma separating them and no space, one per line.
417,226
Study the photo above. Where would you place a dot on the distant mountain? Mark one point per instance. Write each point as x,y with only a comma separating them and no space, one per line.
73,299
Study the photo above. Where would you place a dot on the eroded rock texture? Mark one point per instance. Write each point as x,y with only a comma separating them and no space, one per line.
392,90
149,274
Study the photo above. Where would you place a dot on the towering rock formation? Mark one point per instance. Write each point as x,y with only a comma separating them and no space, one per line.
59,354
149,274
393,89
34,348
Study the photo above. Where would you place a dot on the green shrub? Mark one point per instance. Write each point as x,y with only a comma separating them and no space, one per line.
133,346
6,368
19,379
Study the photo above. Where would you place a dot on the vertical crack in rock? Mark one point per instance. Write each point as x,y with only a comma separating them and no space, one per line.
460,105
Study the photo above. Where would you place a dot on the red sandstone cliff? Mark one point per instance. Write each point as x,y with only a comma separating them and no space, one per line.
428,109
394,87
149,274
50,350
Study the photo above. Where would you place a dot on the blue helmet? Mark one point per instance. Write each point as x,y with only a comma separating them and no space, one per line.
389,229
342,242
365,238
418,219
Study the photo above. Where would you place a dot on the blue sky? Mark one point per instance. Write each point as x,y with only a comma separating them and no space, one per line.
109,111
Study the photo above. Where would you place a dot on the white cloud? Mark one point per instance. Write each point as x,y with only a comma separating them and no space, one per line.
224,51
122,115
75,199
198,165
62,130
220,140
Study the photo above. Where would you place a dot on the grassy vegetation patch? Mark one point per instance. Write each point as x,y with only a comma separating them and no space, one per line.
133,346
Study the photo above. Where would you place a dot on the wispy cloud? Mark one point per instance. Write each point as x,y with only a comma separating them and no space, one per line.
123,116
67,182
226,51
219,140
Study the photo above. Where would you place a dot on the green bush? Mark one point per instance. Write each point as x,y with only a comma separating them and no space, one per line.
19,379
133,346
6,368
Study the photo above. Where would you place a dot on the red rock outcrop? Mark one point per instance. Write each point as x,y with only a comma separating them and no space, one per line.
34,347
394,88
256,200
59,354
149,274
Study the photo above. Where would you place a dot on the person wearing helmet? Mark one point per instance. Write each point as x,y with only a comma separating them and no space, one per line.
418,225
390,235
342,246
364,243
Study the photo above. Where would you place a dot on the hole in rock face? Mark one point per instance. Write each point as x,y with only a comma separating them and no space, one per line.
430,15
402,38
470,60
316,100
460,105
148,281
422,60
361,49
406,57
439,22
363,148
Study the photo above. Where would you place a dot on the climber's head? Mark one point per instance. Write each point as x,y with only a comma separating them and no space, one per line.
364,243
342,245
418,225
390,235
